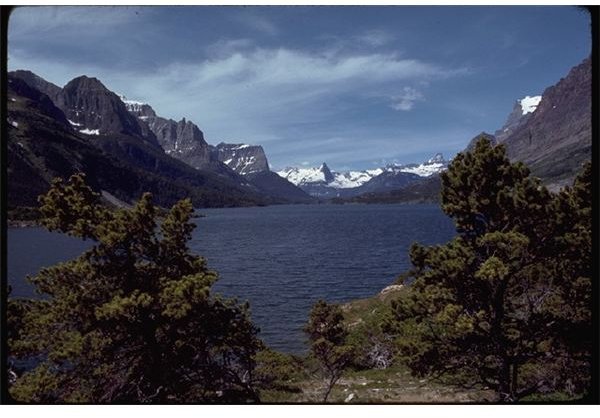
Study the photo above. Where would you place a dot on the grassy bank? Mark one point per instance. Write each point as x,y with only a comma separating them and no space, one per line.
394,384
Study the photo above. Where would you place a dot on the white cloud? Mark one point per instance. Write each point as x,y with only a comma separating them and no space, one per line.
406,100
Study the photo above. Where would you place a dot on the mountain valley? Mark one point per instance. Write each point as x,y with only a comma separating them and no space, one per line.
550,133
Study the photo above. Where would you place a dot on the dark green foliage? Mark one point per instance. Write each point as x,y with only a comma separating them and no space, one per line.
327,335
507,303
133,318
372,347
279,371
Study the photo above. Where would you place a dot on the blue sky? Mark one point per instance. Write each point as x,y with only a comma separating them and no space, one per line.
356,87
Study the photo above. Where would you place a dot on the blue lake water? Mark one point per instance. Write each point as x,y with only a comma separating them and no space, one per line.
280,258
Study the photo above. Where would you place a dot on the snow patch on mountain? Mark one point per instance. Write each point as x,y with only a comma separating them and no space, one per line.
530,103
426,169
132,105
242,164
242,158
90,131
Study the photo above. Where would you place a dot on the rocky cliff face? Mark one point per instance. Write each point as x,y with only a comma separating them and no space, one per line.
244,164
182,140
522,111
94,109
37,99
557,138
90,107
251,162
38,83
242,158
140,110
551,133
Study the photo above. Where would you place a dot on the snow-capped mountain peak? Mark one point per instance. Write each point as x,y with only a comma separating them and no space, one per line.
351,179
327,174
323,176
299,176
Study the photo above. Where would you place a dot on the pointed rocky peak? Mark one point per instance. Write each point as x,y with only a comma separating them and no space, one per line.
182,140
95,110
85,83
188,131
329,177
436,159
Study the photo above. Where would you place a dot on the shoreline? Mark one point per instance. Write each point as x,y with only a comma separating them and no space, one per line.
11,223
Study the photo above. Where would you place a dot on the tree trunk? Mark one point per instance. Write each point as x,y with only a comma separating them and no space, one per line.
330,386
513,383
504,382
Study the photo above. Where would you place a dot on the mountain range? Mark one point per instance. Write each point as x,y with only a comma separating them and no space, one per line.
58,131
551,133
125,148
324,183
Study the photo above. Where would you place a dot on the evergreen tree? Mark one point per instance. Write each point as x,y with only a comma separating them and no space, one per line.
133,318
506,304
327,335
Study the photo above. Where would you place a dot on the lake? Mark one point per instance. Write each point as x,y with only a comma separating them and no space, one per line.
280,258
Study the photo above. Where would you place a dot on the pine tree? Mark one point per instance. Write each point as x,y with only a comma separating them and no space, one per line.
506,304
133,318
327,335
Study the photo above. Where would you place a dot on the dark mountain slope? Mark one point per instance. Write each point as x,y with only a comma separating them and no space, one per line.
38,83
557,138
425,190
386,181
273,185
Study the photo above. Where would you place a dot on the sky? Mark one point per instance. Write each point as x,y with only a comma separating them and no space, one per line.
357,87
